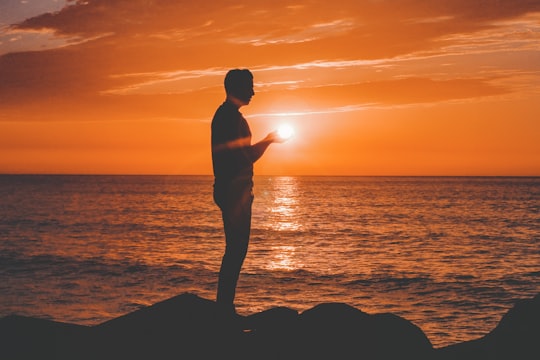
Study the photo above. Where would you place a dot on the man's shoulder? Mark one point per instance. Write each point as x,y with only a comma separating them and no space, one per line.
226,111
229,107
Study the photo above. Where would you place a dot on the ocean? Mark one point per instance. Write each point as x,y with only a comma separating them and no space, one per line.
450,254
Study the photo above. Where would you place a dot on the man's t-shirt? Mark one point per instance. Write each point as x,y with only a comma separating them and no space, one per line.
231,145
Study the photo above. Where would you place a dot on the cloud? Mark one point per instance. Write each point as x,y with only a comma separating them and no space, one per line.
136,17
414,90
299,35
109,49
14,11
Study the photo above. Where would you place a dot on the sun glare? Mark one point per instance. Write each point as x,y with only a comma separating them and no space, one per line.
285,131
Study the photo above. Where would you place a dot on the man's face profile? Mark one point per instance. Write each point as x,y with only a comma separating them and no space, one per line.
239,83
245,91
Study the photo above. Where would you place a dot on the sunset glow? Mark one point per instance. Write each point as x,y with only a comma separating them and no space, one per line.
400,87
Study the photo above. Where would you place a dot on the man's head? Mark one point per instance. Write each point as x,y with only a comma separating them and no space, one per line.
239,84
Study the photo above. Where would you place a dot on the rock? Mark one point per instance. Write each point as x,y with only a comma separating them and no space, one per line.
467,350
188,327
333,331
24,338
274,319
516,337
272,334
397,337
185,325
518,332
339,331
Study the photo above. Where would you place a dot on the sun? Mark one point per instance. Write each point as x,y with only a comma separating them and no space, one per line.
285,131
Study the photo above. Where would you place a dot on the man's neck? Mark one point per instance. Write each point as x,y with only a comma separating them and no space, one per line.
236,101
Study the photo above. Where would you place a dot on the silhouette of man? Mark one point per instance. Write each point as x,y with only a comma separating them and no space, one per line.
233,156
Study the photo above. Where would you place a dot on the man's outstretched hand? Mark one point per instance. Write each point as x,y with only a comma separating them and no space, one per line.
282,134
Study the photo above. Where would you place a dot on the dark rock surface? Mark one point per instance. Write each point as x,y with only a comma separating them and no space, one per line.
517,336
188,327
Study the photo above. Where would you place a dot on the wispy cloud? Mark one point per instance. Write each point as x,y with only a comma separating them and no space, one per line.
294,35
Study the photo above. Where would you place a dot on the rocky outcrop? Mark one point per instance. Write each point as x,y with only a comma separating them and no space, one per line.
517,336
188,327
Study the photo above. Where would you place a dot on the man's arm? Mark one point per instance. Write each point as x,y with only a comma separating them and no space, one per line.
233,144
258,149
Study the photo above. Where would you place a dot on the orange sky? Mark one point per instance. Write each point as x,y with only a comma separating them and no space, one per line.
374,87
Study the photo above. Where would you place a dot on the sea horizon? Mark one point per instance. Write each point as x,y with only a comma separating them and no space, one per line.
265,175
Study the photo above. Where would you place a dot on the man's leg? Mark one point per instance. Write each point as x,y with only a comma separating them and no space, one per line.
237,224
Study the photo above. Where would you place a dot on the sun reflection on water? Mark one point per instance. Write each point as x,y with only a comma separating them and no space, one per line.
284,205
283,217
283,258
